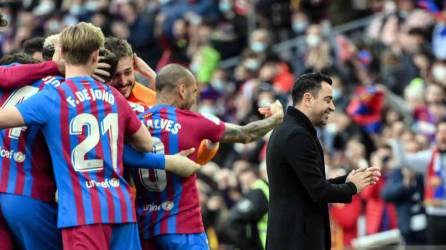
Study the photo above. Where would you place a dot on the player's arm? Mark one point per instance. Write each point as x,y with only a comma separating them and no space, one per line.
141,140
178,163
21,75
145,70
254,130
11,117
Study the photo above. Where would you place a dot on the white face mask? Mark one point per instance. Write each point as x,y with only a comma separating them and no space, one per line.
252,64
258,47
164,2
439,73
313,40
218,84
336,94
194,67
207,110
225,6
264,102
299,26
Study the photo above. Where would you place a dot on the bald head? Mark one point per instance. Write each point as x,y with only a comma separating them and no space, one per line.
171,76
176,85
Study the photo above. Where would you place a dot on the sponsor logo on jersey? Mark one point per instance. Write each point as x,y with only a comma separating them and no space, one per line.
19,157
107,183
166,206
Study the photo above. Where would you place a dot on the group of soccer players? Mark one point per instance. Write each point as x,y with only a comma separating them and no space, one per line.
64,178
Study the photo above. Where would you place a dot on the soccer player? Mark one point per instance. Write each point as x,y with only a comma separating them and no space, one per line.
21,75
167,205
140,97
84,123
26,176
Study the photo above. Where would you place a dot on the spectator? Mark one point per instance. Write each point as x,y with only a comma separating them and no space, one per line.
404,188
249,217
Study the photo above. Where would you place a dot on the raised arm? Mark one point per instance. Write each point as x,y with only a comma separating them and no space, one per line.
417,162
145,70
254,130
21,75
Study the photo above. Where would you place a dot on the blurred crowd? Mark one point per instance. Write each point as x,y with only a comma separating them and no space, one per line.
389,80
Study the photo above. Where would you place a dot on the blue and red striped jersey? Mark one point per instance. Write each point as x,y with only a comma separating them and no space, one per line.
25,163
84,123
167,203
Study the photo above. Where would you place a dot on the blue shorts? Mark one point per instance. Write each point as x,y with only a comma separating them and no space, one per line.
33,223
177,242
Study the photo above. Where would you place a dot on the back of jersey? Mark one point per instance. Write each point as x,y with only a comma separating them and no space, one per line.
168,203
84,123
25,163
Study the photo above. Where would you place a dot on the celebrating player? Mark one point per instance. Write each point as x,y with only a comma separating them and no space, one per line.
167,205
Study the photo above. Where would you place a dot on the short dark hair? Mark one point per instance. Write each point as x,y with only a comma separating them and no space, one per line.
120,47
311,82
33,45
110,58
18,57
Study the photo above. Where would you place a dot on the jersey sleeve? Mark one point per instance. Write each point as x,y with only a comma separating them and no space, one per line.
36,110
136,159
211,127
131,121
24,74
206,153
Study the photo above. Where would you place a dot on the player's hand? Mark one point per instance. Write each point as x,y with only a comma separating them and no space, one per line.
57,58
101,73
274,110
187,152
145,70
180,164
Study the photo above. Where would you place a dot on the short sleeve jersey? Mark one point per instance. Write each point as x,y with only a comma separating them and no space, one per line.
84,123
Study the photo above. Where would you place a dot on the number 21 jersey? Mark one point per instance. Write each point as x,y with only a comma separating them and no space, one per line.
84,123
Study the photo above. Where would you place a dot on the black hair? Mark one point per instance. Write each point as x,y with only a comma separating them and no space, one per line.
106,56
311,82
33,45
18,57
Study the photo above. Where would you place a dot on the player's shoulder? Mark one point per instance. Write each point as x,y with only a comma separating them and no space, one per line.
204,117
54,81
143,95
143,90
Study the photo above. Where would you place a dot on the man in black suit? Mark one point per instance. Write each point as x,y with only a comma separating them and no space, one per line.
299,191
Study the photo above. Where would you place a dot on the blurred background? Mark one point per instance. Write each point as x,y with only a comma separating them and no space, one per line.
387,60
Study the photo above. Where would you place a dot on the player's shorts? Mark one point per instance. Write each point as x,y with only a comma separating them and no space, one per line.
102,236
32,223
5,234
177,242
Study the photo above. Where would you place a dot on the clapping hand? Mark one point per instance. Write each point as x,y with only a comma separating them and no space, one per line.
364,177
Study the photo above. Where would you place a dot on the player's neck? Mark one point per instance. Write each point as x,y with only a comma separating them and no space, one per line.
77,70
163,99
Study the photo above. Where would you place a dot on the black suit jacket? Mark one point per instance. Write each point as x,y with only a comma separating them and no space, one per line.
299,191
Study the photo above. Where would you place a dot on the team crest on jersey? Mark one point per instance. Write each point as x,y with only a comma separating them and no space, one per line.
167,205
19,157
